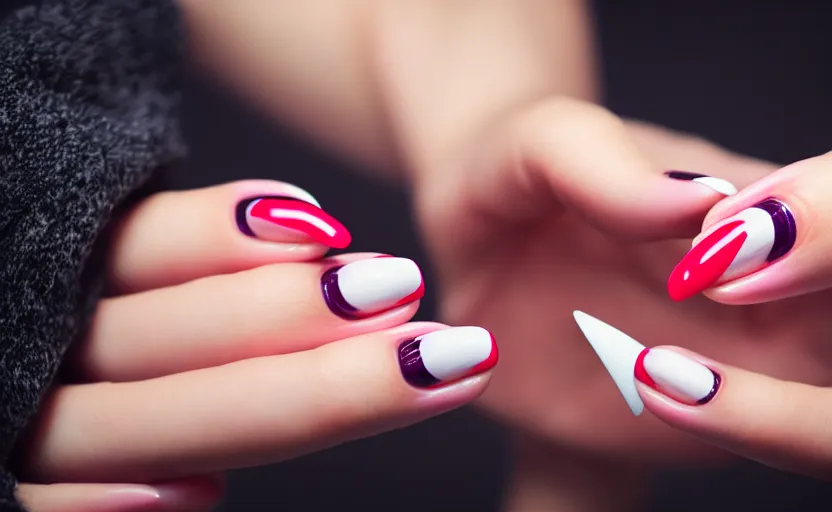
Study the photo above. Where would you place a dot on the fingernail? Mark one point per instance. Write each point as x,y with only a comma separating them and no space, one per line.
736,247
618,353
677,376
289,219
717,184
441,357
367,287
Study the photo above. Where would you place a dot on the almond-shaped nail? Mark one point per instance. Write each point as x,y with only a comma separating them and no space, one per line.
368,287
627,361
736,247
677,376
442,357
288,219
717,184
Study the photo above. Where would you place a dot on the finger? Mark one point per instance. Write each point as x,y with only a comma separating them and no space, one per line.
766,243
580,155
274,309
174,237
260,410
189,495
781,424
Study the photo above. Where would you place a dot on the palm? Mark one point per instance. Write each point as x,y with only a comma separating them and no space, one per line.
526,280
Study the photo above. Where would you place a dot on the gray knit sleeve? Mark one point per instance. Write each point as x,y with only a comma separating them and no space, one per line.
89,97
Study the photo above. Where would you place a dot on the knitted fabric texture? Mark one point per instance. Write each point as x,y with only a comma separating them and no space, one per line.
89,98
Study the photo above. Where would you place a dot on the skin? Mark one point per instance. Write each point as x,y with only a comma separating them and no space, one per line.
212,384
776,422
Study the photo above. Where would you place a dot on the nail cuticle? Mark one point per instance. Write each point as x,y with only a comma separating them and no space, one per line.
371,286
445,357
714,390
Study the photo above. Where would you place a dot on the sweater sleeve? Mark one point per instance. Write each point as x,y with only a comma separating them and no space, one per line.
89,98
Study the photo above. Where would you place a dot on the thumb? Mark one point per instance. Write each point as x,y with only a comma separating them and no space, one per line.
768,242
580,156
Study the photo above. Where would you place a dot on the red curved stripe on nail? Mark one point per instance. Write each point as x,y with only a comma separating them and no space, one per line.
413,297
489,363
640,373
278,211
692,275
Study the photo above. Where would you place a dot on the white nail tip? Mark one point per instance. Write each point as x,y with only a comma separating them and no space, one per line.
723,187
618,352
678,376
451,353
298,193
376,284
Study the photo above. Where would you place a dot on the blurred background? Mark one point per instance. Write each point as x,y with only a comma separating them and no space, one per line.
752,76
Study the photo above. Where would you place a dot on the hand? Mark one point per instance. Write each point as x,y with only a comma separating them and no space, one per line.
227,342
784,251
561,206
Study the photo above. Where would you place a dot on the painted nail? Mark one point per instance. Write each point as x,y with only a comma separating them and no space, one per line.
367,287
677,376
722,186
441,357
736,247
289,219
627,360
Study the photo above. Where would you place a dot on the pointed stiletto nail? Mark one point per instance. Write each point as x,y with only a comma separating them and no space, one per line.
719,185
289,219
368,287
618,352
442,357
736,247
627,360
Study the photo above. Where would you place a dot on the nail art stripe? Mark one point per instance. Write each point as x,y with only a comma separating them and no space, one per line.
366,287
258,217
677,376
717,184
448,355
747,241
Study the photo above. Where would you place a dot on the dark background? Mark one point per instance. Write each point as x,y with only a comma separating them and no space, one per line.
753,76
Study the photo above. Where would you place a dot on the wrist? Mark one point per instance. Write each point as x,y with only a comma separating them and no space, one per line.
561,480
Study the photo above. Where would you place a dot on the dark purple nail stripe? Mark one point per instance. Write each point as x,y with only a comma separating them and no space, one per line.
333,297
413,368
785,229
682,175
242,208
712,394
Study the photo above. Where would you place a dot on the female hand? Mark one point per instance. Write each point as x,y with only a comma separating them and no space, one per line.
228,342
562,206
750,254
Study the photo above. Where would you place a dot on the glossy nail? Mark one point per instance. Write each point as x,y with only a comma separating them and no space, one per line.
441,357
717,184
736,247
367,287
677,376
288,219
627,360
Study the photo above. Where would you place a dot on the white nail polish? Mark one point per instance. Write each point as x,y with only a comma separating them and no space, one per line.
722,186
678,376
618,352
759,229
452,353
377,284
297,192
